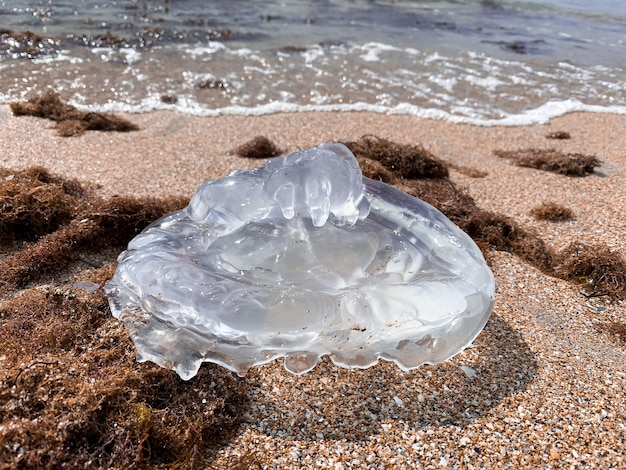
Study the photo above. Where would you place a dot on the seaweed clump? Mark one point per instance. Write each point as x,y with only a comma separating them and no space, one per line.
70,393
212,83
169,99
535,46
406,161
570,164
259,147
24,44
428,180
469,171
601,271
58,217
552,212
617,329
35,203
70,121
76,399
375,170
559,135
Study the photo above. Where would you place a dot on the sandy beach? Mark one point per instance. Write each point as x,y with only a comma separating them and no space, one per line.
543,386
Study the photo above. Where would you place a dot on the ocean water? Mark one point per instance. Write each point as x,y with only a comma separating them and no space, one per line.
487,62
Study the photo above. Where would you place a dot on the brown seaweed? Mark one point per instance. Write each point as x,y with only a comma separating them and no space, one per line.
522,47
552,212
469,171
616,329
169,99
70,121
70,393
570,164
600,270
408,161
59,217
75,398
259,147
35,203
25,44
559,135
212,83
597,269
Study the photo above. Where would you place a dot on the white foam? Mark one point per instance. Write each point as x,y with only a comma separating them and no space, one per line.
540,115
373,50
61,56
373,77
447,83
197,52
126,55
242,52
489,83
312,54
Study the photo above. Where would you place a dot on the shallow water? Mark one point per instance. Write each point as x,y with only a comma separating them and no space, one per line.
485,61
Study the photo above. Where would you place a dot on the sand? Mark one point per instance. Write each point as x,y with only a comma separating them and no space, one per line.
546,382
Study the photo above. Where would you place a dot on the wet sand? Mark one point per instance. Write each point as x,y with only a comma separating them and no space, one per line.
545,384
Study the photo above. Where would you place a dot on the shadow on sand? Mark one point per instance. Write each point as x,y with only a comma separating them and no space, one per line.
354,404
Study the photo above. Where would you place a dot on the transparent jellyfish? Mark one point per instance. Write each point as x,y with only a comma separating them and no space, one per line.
301,258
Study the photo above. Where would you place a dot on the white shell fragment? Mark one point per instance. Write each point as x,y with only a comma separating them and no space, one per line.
301,258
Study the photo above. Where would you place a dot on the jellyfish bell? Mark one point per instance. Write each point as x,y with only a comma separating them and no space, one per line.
301,258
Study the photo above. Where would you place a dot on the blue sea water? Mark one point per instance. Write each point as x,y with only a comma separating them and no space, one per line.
486,62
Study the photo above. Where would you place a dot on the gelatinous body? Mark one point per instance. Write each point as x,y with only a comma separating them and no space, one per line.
301,258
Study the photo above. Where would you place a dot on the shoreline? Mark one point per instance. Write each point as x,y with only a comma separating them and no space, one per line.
549,379
173,154
166,134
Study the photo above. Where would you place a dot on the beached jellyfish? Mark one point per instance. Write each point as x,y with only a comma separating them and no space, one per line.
301,258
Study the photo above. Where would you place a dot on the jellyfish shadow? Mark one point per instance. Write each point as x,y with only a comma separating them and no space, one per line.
354,404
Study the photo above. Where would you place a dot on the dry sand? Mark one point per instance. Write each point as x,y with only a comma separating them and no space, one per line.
549,384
